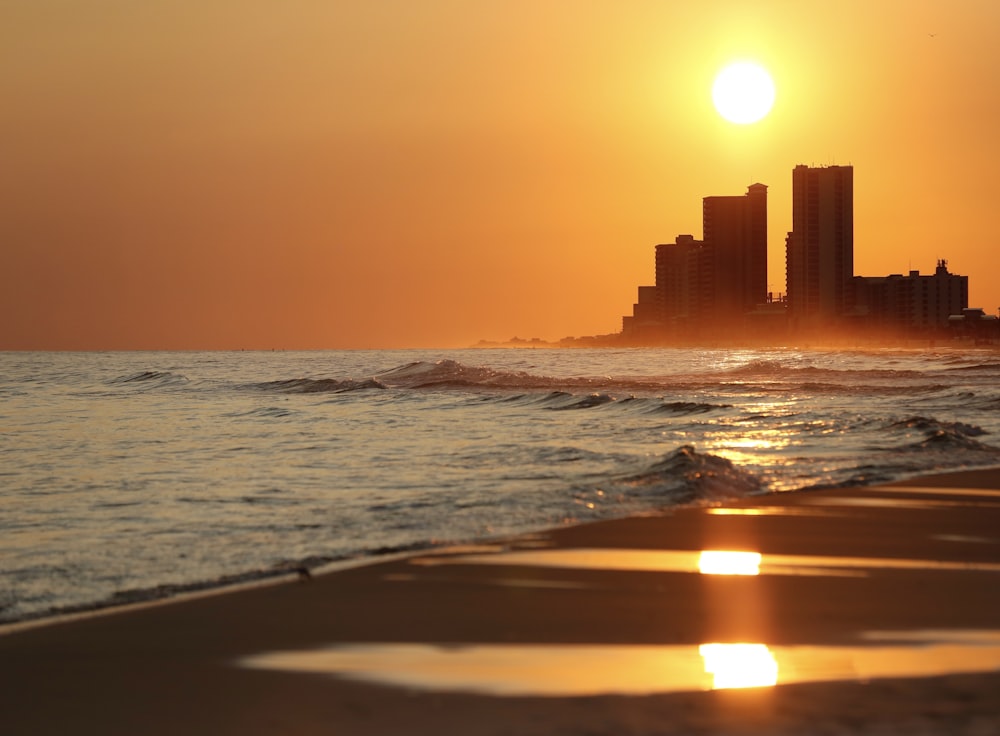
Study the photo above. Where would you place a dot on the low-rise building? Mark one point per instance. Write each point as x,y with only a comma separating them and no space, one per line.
911,303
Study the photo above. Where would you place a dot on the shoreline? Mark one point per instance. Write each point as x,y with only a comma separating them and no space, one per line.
984,477
180,665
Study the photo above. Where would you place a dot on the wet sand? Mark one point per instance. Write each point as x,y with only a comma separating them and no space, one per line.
840,572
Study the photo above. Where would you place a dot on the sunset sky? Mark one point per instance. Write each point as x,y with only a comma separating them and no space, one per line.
410,173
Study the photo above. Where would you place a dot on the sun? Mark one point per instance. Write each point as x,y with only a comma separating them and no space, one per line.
743,92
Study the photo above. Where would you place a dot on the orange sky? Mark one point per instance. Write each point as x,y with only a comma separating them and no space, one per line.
393,173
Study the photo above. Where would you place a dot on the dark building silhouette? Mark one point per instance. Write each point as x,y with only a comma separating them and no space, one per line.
819,251
680,270
735,235
647,310
974,324
715,289
914,302
707,283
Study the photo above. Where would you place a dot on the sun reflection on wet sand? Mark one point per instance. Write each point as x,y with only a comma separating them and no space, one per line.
567,670
723,562
771,511
719,562
739,665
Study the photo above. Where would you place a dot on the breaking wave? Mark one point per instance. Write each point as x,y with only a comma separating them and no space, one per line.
686,476
939,445
451,373
946,440
762,375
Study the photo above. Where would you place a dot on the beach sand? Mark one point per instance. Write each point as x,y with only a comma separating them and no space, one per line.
597,626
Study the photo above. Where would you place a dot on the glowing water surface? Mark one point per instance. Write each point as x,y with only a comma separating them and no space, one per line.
137,475
719,562
599,669
594,669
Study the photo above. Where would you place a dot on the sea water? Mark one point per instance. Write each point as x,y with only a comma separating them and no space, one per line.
126,476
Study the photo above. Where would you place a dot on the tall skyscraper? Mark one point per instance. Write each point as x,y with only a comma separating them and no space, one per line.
819,251
735,233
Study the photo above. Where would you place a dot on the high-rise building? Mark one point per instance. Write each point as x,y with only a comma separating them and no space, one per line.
678,288
715,289
735,233
710,283
819,251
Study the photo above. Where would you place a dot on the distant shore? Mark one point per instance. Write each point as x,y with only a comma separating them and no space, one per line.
751,343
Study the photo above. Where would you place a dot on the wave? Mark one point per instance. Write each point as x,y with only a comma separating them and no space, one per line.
945,440
451,373
317,385
993,367
422,373
598,390
266,412
149,377
581,402
866,389
757,376
942,446
913,446
685,476
684,408
775,368
935,428
559,400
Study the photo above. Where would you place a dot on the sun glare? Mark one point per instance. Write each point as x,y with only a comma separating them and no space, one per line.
743,92
739,665
719,562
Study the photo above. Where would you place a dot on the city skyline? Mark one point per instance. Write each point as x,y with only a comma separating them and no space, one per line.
238,175
712,289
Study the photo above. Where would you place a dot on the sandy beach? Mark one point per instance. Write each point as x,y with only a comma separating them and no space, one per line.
874,610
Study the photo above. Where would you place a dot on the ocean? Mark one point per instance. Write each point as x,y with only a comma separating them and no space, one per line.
138,475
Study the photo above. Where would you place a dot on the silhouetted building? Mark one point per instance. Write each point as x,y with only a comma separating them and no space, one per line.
735,235
819,251
913,302
680,270
708,283
647,315
974,324
716,288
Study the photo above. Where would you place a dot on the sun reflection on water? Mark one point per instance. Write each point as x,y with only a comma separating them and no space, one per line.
754,443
